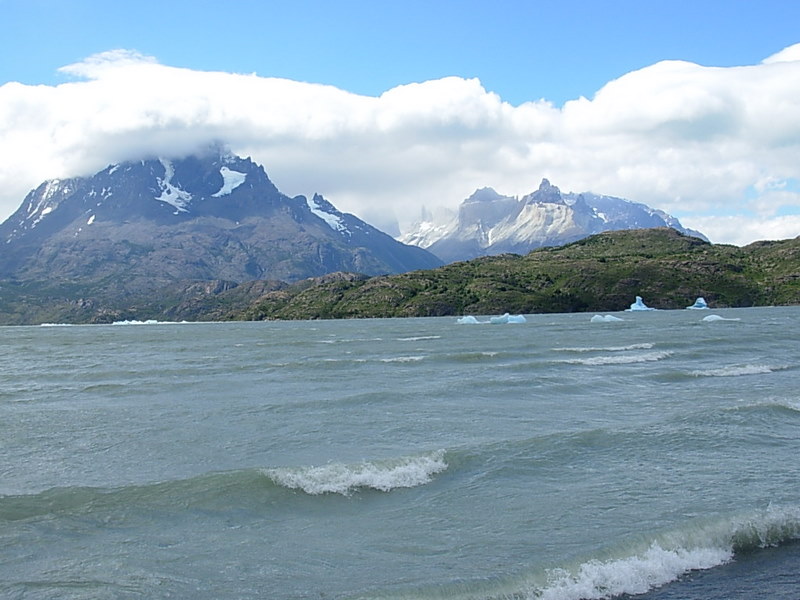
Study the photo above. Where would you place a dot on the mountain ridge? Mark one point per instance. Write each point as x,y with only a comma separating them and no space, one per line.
202,217
488,223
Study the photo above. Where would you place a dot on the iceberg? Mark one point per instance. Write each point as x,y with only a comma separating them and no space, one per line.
699,304
639,305
712,318
507,318
468,320
604,319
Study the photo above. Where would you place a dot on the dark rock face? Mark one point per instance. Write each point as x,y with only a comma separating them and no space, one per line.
214,217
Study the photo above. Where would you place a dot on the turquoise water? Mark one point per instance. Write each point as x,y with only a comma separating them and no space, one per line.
403,458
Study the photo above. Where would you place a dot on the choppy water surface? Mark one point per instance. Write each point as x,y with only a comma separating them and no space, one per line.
406,458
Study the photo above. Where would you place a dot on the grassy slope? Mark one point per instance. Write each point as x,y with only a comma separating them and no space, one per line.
601,273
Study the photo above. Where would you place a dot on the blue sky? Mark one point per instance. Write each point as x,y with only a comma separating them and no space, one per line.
523,50
488,58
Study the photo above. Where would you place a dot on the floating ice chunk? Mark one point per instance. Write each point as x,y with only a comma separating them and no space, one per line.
507,318
639,305
605,319
712,318
699,304
468,320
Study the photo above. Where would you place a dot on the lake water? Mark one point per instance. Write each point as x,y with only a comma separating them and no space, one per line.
404,458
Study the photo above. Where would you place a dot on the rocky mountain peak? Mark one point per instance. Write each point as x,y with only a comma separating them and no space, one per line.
490,223
211,216
547,193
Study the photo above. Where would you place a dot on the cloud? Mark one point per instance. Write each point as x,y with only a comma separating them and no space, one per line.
699,142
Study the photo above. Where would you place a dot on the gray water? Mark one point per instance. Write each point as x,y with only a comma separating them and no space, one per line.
403,458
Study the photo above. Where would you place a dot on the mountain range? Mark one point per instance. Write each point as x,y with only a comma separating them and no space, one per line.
488,223
145,224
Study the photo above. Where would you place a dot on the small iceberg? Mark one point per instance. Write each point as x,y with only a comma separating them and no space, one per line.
639,305
507,318
468,320
699,304
605,319
712,318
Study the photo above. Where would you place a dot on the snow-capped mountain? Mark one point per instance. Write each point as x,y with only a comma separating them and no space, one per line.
489,223
215,216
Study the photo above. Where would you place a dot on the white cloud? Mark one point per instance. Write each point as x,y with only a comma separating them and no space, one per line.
700,142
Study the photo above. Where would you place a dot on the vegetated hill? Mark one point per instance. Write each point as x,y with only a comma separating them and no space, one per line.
600,273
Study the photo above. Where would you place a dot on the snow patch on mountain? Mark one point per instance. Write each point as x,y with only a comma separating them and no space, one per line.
333,220
230,181
170,193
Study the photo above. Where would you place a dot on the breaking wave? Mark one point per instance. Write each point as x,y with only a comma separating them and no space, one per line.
640,566
337,478
737,371
402,359
620,359
643,346
670,556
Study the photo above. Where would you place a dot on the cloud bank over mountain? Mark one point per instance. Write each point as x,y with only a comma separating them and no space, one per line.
715,146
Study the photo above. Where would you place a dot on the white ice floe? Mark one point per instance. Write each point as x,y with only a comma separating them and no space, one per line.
605,319
507,318
639,305
468,320
699,304
713,318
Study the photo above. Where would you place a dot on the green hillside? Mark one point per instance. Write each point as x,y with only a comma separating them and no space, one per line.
601,273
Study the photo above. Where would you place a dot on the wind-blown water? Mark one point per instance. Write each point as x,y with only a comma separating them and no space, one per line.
559,458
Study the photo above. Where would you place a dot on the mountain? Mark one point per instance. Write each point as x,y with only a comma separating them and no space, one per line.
488,223
139,226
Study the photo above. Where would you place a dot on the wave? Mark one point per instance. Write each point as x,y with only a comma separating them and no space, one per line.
221,490
623,359
738,370
638,567
643,346
337,478
419,338
402,359
696,546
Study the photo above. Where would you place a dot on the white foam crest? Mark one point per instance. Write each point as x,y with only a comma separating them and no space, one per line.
402,359
643,346
737,371
620,359
671,556
633,575
336,478
419,338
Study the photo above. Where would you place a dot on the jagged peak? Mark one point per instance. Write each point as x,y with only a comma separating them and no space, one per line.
547,193
485,194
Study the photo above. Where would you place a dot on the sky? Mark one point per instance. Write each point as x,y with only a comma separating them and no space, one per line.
386,108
